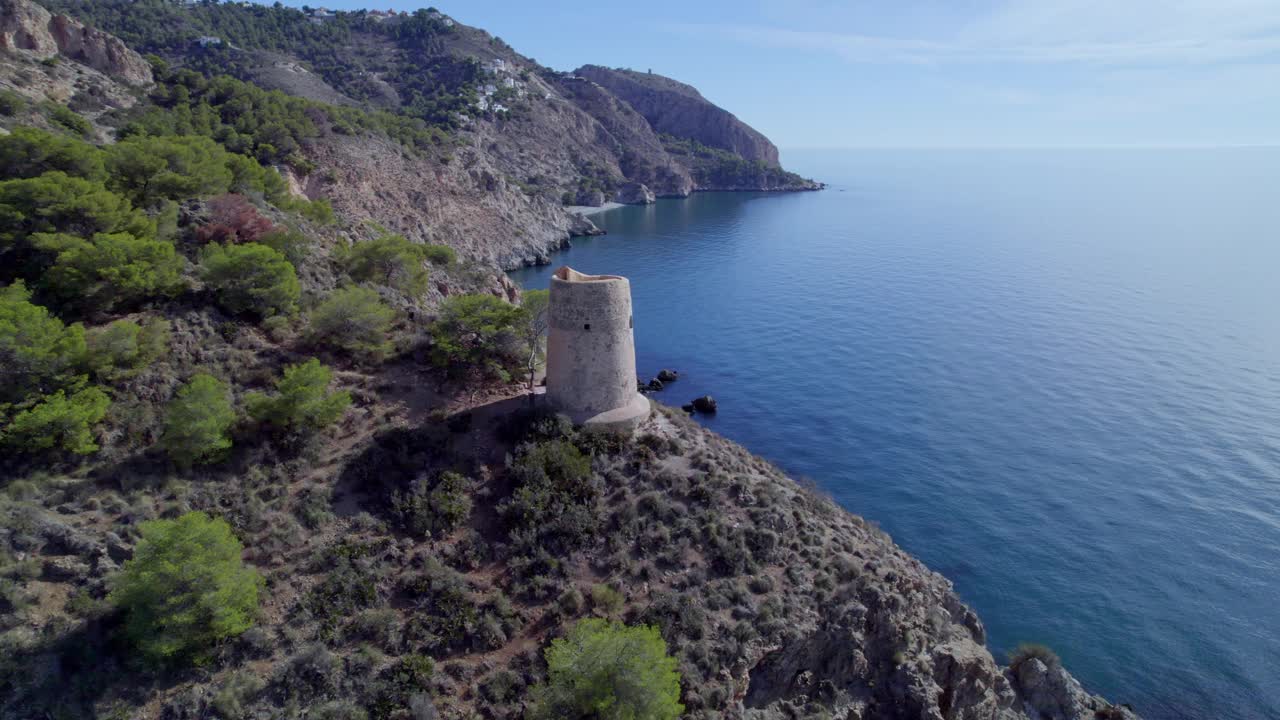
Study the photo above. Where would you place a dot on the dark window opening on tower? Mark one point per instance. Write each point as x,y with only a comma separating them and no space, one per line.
587,326
631,321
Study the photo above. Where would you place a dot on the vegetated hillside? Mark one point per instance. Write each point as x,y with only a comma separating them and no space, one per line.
518,141
262,457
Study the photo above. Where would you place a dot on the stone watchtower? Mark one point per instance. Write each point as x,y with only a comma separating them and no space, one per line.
591,351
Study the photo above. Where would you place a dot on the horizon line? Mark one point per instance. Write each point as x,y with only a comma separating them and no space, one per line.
1200,146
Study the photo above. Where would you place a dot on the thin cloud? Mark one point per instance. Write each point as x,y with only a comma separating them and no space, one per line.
1068,31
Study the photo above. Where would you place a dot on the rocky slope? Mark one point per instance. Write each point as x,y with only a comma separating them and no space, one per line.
777,603
678,109
562,139
29,27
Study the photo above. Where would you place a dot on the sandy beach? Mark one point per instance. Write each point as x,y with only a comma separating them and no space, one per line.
592,210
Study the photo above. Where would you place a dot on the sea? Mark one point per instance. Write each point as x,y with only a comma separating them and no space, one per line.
1052,375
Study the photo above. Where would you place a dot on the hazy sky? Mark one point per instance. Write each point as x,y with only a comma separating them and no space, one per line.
912,73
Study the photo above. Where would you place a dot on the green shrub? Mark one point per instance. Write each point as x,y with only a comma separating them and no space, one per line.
302,400
605,600
198,422
346,590
148,170
501,686
440,254
186,588
288,242
232,698
319,212
425,510
69,119
353,319
59,420
30,152
337,710
477,336
110,270
11,103
389,260
251,278
120,348
446,611
37,351
56,202
405,684
553,505
609,671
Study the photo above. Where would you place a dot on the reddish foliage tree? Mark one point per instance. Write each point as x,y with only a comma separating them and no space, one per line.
233,219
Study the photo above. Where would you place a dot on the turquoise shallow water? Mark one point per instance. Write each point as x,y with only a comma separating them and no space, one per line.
1053,376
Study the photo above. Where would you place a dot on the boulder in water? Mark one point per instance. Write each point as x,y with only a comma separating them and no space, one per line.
705,404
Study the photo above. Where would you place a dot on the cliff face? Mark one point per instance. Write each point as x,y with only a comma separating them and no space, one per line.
27,26
643,159
776,602
677,109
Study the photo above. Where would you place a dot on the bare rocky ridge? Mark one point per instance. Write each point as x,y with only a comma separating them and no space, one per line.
27,26
678,109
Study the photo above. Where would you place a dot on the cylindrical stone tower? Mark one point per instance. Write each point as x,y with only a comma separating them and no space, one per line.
591,351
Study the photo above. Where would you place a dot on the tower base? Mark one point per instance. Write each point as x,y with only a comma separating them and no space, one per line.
618,420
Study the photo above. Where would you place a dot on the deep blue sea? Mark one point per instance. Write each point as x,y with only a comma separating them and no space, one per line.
1054,376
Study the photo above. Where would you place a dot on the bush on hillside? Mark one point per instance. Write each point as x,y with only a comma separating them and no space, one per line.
553,504
148,170
66,117
186,588
29,152
446,610
11,103
609,671
198,422
427,509
109,270
38,353
354,319
477,337
251,278
390,260
56,202
302,400
1033,651
61,420
440,254
233,219
122,347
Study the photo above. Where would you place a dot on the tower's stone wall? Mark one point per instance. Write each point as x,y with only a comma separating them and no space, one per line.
591,353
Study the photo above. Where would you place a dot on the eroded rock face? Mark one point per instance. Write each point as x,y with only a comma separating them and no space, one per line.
466,204
26,26
634,193
589,198
1050,692
679,109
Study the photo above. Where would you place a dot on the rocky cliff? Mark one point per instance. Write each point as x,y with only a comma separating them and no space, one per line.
678,109
29,27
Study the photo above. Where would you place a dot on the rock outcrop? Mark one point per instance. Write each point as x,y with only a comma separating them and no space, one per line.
589,198
26,26
634,193
1049,692
679,109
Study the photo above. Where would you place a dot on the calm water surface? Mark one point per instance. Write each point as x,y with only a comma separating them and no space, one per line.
1053,376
